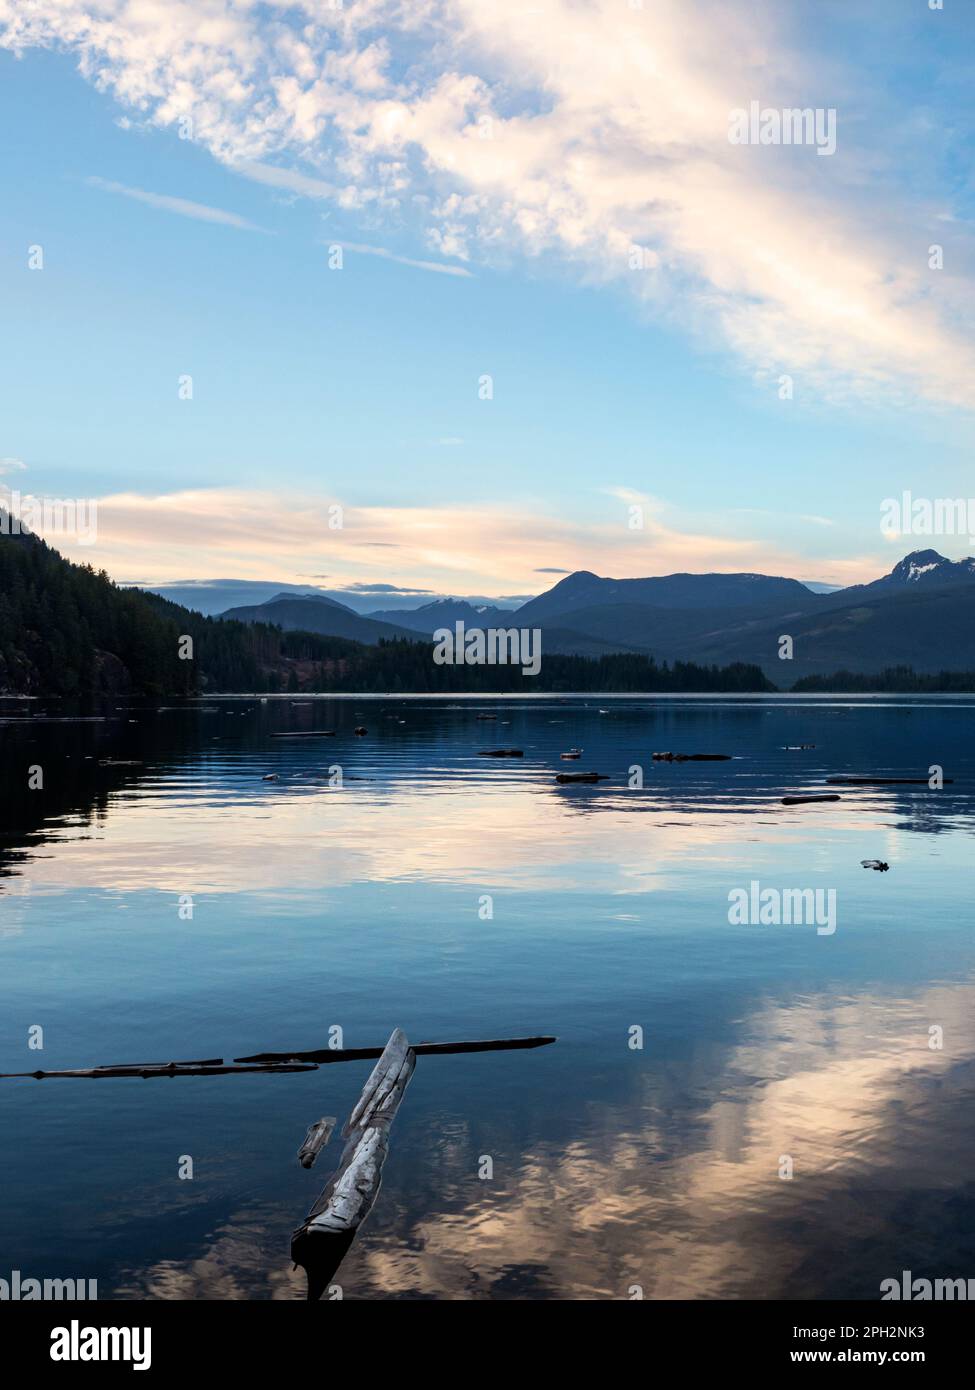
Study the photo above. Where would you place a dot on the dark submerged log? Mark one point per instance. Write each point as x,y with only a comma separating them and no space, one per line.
799,800
100,1073
362,1054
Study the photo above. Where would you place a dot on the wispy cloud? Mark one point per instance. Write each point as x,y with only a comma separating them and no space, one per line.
440,267
289,180
586,132
181,206
11,465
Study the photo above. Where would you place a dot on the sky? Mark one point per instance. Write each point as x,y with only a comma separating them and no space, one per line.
541,194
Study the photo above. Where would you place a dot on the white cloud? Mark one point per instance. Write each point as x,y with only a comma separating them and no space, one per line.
198,211
11,465
441,267
291,180
484,547
579,130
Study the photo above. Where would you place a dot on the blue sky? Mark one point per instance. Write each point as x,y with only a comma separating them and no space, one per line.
359,386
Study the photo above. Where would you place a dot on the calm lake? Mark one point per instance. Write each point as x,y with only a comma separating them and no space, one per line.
369,904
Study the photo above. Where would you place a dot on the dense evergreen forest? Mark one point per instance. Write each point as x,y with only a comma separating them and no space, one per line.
896,680
401,665
67,629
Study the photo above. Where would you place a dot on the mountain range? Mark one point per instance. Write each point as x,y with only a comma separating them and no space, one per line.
921,614
66,629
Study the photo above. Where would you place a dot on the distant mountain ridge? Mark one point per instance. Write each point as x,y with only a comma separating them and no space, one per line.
444,612
920,614
586,590
316,613
921,569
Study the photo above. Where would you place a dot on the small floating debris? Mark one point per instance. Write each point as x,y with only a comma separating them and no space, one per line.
582,777
315,1140
487,716
875,864
308,733
691,757
885,781
501,753
796,747
360,731
800,800
270,777
119,762
572,753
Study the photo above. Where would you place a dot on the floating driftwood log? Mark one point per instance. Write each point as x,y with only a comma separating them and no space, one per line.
501,753
796,747
884,781
875,864
799,800
582,777
321,1241
315,1140
171,1069
572,754
425,1049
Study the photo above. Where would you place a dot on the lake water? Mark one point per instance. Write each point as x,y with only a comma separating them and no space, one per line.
363,907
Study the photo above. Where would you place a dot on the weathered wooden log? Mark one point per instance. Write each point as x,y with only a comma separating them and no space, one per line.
878,864
582,777
799,800
99,1073
502,753
885,781
796,747
315,1140
362,1054
320,1243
